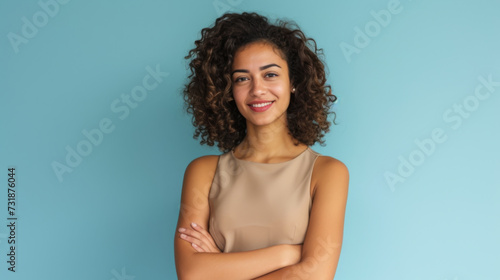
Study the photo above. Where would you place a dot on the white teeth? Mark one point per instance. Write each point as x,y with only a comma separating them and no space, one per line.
260,104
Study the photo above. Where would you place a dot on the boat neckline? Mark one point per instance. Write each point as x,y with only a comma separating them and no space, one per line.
264,163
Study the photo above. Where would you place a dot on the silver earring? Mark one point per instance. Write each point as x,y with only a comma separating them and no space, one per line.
293,90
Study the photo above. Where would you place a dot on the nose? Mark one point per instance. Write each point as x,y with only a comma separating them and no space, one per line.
258,87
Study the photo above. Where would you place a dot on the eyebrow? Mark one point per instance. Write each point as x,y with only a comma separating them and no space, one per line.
260,68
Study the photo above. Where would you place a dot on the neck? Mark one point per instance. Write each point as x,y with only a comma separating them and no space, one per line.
268,143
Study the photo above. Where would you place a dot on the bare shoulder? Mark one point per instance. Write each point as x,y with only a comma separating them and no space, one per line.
329,172
195,190
329,164
203,163
202,169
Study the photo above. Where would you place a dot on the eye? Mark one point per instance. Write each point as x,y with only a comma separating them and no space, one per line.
240,79
271,75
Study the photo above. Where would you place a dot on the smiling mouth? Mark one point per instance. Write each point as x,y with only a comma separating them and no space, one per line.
261,107
258,105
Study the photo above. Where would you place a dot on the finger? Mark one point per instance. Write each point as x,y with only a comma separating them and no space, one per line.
191,239
207,237
203,243
205,233
197,244
192,233
204,247
206,241
197,248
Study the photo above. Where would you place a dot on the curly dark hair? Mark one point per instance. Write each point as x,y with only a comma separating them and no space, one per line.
208,95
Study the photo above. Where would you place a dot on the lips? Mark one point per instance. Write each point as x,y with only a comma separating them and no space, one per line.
260,106
259,101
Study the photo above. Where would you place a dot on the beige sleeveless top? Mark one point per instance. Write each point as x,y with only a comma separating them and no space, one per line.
256,205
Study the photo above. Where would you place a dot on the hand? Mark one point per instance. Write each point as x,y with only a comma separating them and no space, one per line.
200,239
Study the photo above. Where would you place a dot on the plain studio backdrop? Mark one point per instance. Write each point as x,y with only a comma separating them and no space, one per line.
92,120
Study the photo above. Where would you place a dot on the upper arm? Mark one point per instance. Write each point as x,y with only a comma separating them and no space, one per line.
194,203
323,241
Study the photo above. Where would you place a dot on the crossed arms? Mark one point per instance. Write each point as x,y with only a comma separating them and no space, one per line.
197,256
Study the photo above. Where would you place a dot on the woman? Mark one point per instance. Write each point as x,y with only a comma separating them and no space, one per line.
269,207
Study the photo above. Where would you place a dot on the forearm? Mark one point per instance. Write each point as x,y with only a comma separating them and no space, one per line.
301,271
312,267
295,271
233,266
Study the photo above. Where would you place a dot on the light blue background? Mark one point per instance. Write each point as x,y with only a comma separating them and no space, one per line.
115,214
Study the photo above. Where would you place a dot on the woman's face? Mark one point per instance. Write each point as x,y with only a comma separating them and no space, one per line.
261,85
